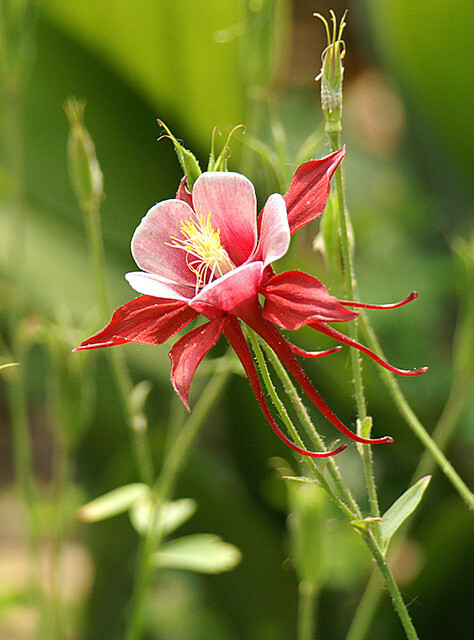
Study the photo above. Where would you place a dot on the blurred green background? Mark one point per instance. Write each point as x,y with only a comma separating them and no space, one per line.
409,132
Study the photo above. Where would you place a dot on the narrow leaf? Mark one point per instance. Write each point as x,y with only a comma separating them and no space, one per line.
402,508
113,503
204,553
172,516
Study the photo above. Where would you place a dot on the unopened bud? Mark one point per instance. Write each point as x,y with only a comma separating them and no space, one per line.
332,72
187,159
84,170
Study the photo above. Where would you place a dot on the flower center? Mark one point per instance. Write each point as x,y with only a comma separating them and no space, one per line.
205,255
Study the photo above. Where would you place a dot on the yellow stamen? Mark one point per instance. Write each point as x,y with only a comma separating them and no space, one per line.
205,255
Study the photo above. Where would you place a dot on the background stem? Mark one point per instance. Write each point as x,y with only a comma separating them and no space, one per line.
163,489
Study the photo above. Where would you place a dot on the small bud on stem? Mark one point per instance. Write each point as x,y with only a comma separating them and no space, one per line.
332,72
86,175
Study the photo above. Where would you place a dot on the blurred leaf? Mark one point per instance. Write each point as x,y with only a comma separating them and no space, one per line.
167,50
305,524
173,514
204,553
431,52
402,508
113,503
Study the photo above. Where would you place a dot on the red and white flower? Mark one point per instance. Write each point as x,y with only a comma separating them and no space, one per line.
206,254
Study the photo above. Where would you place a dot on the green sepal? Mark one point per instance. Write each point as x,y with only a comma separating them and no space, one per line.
187,159
221,162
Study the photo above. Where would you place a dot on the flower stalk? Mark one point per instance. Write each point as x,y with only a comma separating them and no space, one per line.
331,77
163,490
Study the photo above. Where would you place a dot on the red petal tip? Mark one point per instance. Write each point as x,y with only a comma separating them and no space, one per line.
312,354
391,305
383,440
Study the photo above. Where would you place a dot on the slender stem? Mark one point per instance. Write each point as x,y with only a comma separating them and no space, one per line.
163,489
367,608
368,537
412,420
116,358
351,291
343,506
302,413
391,585
458,397
307,598
12,88
58,620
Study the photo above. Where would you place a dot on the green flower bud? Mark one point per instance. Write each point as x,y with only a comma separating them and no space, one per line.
332,71
84,170
187,159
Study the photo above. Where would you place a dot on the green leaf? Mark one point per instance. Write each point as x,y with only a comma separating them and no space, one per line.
204,553
113,503
173,514
402,508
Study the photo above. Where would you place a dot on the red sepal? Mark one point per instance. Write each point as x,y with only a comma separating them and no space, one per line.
309,189
147,320
294,298
188,352
272,337
337,335
184,193
234,335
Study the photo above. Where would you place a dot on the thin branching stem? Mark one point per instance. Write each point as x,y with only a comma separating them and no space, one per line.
163,490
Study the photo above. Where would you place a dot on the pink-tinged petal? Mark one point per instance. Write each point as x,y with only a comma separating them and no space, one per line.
294,298
234,335
152,285
337,335
274,230
391,305
230,292
230,199
146,320
151,242
272,337
184,193
188,352
309,189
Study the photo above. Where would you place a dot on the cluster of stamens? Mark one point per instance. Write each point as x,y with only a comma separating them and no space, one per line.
205,255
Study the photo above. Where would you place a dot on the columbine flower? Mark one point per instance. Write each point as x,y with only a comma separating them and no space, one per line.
205,254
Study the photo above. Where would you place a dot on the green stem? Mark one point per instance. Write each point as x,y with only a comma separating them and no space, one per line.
163,489
391,585
416,426
343,506
367,608
58,619
303,416
307,597
356,364
116,358
458,397
368,537
12,88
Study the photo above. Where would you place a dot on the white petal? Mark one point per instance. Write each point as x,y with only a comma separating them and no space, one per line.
151,285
